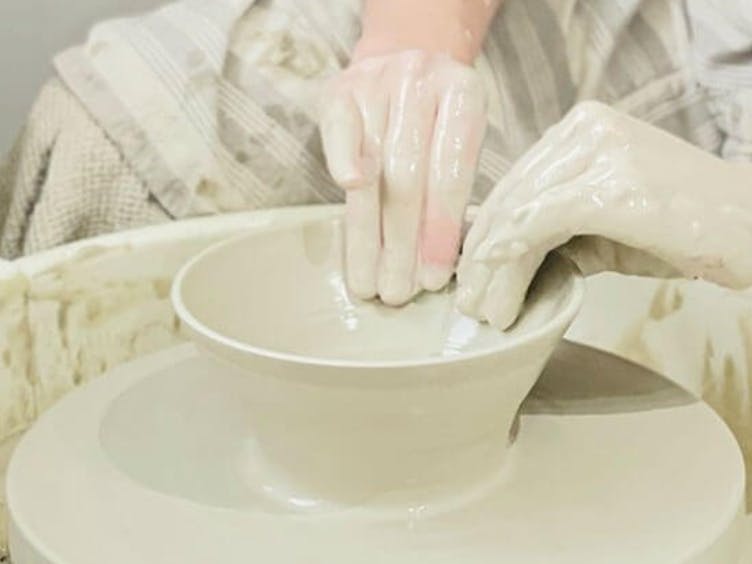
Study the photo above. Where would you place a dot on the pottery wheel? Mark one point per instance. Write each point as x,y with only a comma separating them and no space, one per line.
154,464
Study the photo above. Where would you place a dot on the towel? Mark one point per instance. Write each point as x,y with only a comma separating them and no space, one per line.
721,37
65,179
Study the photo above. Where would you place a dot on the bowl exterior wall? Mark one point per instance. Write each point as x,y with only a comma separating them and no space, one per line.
345,434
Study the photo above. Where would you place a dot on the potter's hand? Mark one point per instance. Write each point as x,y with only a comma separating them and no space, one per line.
402,134
617,194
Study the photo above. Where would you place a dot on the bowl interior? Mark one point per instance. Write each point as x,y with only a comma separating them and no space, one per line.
282,292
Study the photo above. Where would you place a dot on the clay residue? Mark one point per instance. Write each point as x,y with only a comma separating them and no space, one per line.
724,379
17,407
76,320
667,300
729,392
82,332
633,346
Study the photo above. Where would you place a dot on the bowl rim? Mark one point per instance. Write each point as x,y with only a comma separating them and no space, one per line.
197,328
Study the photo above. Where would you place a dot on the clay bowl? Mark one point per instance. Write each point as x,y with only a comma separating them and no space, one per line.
357,401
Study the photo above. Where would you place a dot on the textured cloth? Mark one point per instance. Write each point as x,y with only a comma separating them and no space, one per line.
721,33
65,180
206,107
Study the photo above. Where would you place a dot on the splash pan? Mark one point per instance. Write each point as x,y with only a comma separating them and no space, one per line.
158,462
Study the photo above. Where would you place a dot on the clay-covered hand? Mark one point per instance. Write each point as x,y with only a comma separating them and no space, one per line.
614,193
402,134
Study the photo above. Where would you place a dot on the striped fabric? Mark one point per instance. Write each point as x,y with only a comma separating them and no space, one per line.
721,32
214,103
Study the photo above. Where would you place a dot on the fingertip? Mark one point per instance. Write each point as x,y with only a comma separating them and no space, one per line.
395,291
348,178
507,291
345,168
503,317
362,242
465,302
341,131
361,286
357,172
434,277
503,303
472,285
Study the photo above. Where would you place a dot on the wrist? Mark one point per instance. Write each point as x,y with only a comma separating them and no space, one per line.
455,28
382,44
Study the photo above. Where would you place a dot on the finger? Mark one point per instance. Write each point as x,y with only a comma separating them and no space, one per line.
342,138
507,289
478,229
363,241
458,134
472,279
406,149
506,260
373,105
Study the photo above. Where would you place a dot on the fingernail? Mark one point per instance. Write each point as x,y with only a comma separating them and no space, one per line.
433,277
464,303
349,179
500,309
361,286
467,301
503,318
473,284
395,290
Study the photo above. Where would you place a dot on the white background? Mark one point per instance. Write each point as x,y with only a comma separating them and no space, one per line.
31,32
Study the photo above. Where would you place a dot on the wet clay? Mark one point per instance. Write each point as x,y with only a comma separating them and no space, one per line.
402,130
402,133
614,193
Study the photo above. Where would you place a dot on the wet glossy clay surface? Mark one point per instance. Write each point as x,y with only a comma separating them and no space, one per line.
284,291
